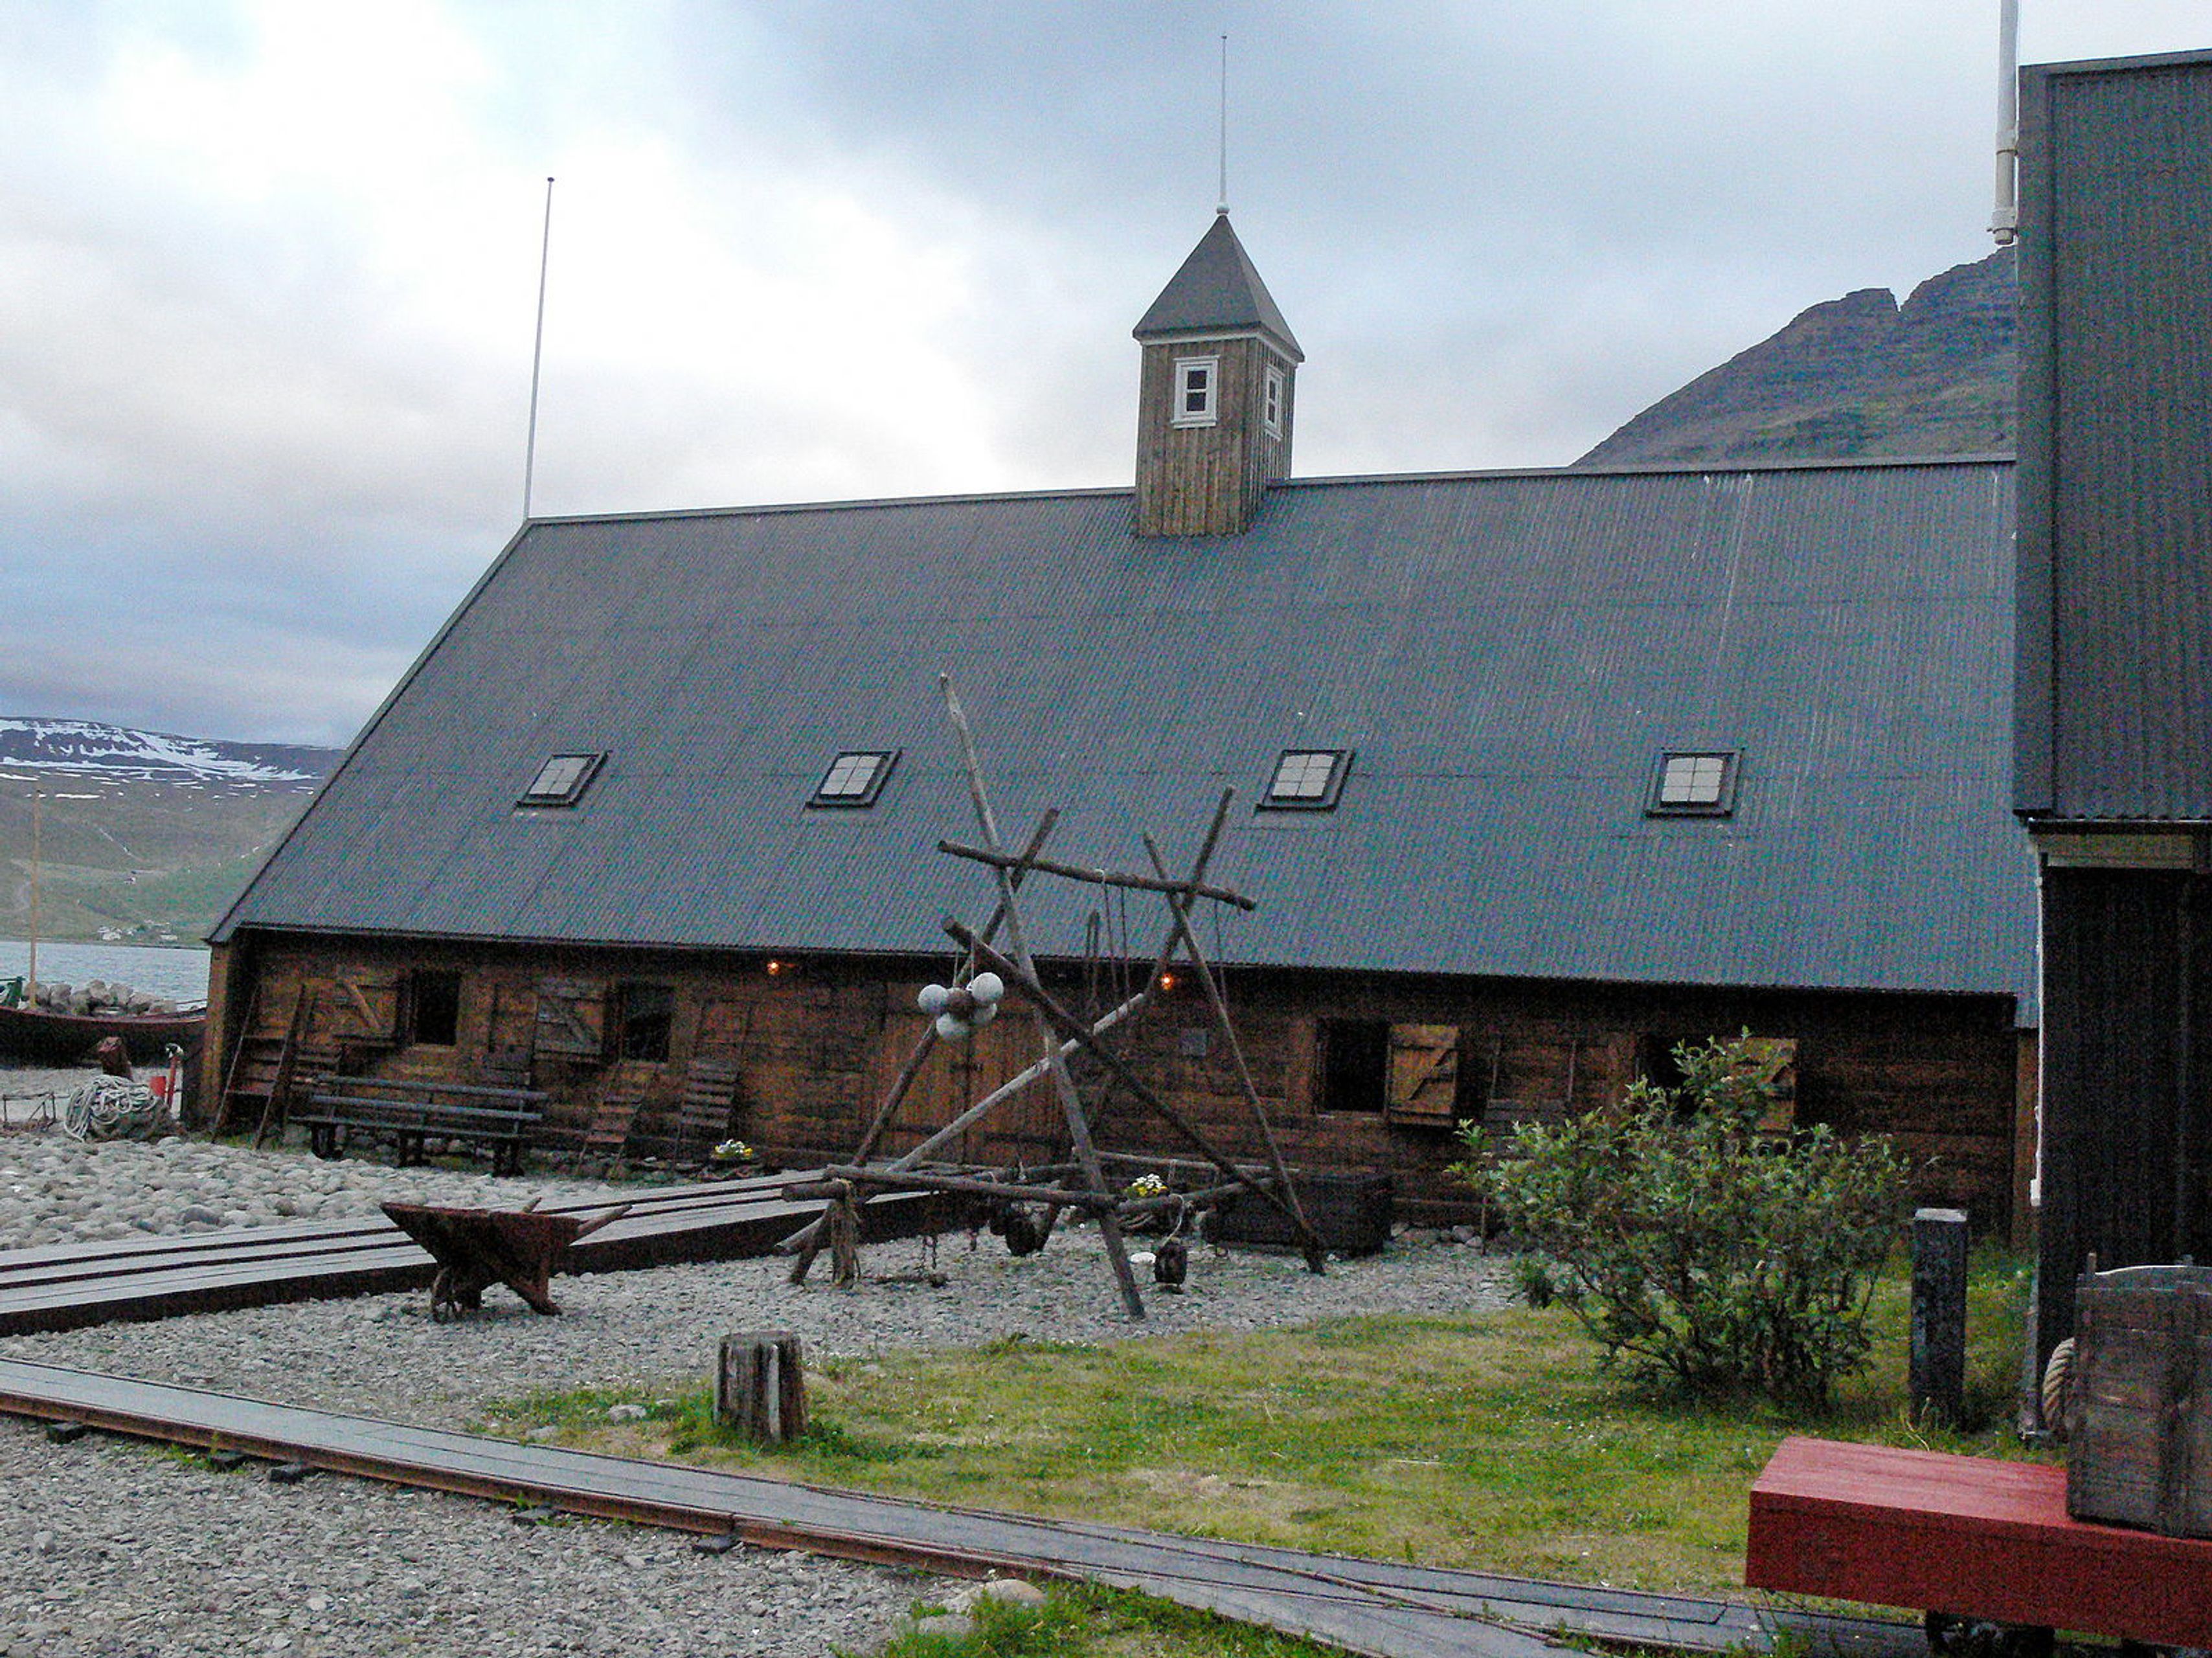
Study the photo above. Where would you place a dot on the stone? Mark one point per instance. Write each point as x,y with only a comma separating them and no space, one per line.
946,1625
1005,1591
626,1413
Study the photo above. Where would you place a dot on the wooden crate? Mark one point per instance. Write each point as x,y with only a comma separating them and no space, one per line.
1352,1212
2140,1452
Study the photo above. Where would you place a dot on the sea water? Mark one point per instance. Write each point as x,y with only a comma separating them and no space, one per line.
181,974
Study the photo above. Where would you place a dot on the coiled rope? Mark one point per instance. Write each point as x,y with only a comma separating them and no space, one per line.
111,1108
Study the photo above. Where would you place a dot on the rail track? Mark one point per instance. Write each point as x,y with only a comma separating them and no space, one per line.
1364,1606
1371,1607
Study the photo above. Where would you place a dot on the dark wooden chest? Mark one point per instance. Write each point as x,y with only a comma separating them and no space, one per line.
2140,1448
1352,1212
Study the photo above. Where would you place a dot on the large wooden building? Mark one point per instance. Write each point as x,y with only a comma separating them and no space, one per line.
2115,694
1540,773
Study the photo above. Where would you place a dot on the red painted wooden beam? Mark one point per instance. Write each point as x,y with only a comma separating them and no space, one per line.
1969,1535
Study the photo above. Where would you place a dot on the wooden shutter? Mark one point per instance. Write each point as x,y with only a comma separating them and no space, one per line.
1773,1061
572,1017
1424,1074
366,1007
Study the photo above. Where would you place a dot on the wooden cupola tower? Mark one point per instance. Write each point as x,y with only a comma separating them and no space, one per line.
1215,401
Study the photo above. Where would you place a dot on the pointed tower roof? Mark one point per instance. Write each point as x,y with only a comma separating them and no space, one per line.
1217,289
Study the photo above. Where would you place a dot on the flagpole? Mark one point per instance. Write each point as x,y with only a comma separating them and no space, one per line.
537,355
37,806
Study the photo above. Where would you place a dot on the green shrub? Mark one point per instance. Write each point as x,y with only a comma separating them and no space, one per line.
1696,1245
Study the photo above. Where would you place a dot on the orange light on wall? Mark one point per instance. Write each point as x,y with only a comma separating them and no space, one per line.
1167,981
773,968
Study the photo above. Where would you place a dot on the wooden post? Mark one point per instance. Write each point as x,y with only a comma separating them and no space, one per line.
1938,1387
843,1215
760,1386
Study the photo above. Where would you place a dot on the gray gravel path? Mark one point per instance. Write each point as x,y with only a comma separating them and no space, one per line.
227,1561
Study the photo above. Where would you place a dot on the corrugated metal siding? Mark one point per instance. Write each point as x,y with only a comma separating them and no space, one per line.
2116,684
1507,654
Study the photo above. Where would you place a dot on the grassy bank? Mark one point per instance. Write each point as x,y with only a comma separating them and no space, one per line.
1490,1440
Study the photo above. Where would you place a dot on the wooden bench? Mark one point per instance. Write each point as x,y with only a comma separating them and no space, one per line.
1968,1535
409,1114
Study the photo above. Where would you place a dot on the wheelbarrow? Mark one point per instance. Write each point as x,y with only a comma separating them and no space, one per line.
476,1248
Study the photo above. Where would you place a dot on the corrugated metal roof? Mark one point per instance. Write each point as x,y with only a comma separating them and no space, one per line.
1507,654
2115,700
1217,286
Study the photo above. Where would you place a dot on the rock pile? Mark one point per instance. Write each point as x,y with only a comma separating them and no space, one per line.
97,996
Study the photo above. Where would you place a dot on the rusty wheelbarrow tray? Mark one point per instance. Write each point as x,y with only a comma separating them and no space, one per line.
476,1248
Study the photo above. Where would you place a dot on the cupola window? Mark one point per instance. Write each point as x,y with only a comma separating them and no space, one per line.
1197,390
1272,413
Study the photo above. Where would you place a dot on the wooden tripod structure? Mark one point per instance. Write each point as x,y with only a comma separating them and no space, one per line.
1081,1182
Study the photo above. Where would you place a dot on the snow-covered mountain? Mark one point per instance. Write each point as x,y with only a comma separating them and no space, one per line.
90,749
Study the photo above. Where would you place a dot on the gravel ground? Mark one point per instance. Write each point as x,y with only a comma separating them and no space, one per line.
124,1551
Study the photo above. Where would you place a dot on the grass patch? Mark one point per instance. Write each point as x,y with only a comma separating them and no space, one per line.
1491,1440
1081,1621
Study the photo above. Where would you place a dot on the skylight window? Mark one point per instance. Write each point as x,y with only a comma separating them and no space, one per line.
1699,784
1308,780
562,780
855,778
1197,390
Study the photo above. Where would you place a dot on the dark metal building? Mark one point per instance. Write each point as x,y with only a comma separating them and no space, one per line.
1539,771
2114,703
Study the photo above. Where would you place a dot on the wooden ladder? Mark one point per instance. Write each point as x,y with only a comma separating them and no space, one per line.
254,1063
710,1094
274,1104
608,1131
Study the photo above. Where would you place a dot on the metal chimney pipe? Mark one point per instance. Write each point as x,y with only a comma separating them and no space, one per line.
2004,221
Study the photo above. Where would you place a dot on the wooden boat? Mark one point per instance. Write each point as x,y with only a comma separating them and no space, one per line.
34,1036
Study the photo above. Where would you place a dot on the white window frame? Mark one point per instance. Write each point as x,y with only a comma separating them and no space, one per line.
1182,414
856,778
1277,394
562,780
1298,785
1693,782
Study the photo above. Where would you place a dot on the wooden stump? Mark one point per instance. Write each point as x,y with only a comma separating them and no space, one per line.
760,1385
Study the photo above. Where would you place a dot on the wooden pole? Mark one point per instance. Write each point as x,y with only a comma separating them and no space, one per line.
1316,1257
1058,1018
808,1238
1078,1125
806,1235
1162,883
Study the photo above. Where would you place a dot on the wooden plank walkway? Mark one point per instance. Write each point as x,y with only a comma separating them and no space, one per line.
67,1286
1369,1607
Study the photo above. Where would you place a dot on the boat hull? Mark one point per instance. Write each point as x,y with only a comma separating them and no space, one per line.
37,1037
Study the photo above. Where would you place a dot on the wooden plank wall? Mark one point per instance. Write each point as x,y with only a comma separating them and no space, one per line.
1207,480
2127,1076
815,1045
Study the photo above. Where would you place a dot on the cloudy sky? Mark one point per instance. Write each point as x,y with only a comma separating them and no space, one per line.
268,270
